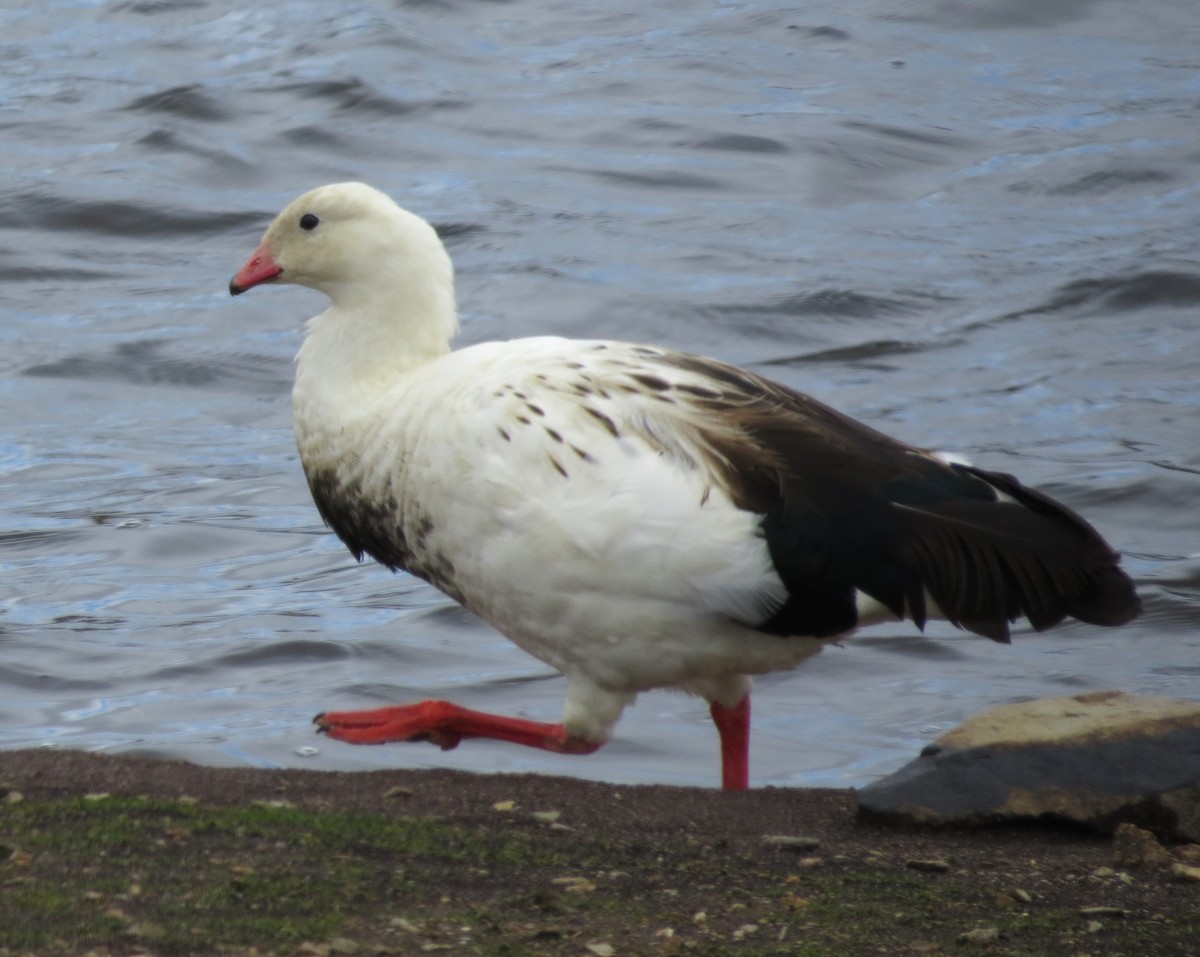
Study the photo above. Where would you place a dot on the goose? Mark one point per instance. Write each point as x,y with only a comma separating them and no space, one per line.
635,517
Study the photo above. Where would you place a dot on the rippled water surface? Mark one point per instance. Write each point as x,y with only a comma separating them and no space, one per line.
975,225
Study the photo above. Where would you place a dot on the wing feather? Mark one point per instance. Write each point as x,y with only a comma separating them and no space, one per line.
845,508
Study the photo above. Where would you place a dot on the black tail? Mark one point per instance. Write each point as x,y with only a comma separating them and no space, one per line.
1043,562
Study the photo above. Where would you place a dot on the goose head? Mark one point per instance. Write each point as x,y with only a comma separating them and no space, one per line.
355,245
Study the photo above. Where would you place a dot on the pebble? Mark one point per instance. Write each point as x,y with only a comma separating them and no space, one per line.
574,884
403,923
146,930
980,935
792,842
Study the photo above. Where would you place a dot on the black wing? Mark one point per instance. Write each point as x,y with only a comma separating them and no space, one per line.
847,508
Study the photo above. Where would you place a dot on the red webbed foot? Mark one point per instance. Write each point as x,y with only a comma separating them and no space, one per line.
412,722
445,725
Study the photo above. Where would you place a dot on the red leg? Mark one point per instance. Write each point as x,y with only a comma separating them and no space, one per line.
733,725
446,724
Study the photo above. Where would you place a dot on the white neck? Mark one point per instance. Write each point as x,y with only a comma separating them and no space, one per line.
374,333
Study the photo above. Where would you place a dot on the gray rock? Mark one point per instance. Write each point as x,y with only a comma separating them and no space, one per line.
1134,846
1099,759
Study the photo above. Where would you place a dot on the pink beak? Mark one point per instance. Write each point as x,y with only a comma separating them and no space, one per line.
260,267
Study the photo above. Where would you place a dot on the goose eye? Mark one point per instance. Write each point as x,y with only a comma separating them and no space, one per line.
308,221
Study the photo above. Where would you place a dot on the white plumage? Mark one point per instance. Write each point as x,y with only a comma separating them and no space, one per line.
635,517
617,559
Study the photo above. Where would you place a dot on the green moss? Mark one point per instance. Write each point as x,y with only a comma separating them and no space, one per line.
92,873
175,878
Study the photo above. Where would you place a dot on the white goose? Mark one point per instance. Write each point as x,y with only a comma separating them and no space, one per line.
633,516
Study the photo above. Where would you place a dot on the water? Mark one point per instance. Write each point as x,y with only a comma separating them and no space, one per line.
974,225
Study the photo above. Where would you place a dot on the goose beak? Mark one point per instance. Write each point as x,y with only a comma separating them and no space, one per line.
260,267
